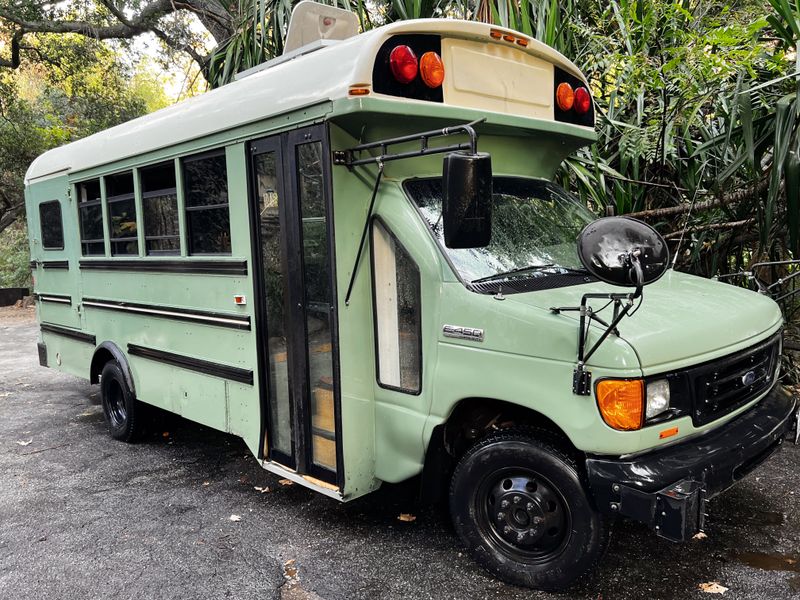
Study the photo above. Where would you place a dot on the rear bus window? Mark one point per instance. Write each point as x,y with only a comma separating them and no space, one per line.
205,181
90,213
160,206
122,214
52,228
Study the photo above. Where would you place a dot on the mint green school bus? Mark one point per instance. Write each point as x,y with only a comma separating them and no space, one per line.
354,258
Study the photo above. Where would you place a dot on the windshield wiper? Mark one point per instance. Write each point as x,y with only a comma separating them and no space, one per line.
506,274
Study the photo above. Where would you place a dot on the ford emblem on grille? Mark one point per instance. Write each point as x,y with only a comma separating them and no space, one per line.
749,378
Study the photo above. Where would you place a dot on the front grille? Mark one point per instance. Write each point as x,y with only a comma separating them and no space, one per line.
726,384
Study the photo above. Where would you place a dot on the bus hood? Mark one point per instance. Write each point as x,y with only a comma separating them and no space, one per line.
683,319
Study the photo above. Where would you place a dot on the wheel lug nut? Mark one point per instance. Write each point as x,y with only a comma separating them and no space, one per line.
501,516
504,504
537,520
506,529
530,506
520,537
517,499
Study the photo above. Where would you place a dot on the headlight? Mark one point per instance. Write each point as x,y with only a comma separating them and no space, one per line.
657,398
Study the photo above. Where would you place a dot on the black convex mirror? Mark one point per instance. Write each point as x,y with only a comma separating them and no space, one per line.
623,251
467,200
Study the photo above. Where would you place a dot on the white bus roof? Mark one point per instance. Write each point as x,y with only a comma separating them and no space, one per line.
326,74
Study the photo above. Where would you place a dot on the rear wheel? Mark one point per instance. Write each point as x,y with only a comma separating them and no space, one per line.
520,507
124,414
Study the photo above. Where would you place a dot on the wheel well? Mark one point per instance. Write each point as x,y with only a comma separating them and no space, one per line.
99,360
105,352
471,420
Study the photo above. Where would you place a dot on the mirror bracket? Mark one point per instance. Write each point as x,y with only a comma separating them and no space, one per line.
581,378
350,157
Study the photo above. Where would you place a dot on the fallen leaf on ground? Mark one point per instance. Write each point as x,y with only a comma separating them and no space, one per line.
286,482
5,394
23,443
235,518
407,518
263,490
791,561
712,587
165,434
206,483
289,570
699,536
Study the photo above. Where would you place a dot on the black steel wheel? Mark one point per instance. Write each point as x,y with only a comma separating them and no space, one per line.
123,413
520,507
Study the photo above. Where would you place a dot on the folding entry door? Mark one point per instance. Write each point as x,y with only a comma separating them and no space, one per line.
295,288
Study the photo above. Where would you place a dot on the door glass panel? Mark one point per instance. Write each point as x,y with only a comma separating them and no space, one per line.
274,282
318,300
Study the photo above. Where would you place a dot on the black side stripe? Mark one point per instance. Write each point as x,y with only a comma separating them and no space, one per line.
54,298
187,266
55,264
193,364
232,321
75,334
33,264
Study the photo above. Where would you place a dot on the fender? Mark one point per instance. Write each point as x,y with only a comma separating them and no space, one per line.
101,356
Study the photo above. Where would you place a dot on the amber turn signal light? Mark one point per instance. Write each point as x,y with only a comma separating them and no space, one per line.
621,403
565,96
431,69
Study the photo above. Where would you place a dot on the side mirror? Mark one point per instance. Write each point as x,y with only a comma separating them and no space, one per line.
467,200
623,251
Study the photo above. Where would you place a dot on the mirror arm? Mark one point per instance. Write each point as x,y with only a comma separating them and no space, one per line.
364,233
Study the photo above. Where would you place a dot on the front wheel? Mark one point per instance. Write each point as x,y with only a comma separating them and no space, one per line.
519,506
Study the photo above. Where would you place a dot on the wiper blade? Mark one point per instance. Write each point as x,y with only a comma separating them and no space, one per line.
518,270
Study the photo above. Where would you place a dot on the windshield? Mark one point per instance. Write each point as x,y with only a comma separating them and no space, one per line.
534,224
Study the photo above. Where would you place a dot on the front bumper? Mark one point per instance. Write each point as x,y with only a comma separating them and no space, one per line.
667,489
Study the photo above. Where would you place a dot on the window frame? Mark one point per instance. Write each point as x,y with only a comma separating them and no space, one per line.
221,151
109,200
377,219
60,224
159,193
86,204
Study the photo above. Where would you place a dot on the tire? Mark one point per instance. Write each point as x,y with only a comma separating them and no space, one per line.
124,414
519,506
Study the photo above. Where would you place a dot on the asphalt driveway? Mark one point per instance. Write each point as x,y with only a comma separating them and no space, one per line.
83,516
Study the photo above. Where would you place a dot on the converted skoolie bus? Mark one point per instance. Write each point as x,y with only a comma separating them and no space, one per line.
286,259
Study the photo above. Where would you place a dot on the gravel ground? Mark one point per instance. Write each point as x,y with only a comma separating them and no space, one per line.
83,516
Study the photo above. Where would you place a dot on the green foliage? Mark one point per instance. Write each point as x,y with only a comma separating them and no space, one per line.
15,257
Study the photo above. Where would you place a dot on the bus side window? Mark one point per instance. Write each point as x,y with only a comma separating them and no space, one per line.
122,226
51,225
160,207
90,214
397,309
205,180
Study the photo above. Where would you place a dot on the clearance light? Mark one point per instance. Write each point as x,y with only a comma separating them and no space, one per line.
509,38
621,402
583,100
431,69
565,97
668,433
403,63
496,34
522,42
358,91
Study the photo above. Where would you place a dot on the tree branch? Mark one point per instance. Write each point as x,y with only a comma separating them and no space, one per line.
127,28
733,198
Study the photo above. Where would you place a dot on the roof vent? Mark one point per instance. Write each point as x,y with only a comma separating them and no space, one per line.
312,22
